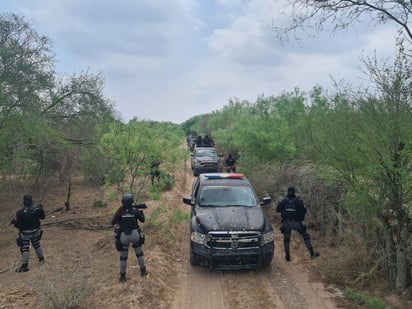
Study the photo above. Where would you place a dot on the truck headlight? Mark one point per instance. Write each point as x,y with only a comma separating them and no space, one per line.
267,237
198,237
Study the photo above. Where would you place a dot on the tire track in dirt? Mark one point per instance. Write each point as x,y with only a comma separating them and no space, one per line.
200,287
280,286
293,282
197,287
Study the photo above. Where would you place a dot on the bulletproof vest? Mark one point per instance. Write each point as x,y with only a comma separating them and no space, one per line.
29,218
128,219
290,210
230,162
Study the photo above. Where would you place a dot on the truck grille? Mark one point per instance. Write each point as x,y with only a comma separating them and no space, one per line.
208,164
233,240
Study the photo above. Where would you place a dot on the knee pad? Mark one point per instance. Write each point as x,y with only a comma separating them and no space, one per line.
25,246
36,238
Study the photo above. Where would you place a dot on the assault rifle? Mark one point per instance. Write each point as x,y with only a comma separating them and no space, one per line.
140,206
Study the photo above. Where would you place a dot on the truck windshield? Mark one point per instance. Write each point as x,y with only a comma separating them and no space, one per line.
206,153
220,196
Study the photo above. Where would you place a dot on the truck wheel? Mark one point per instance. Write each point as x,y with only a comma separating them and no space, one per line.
265,263
194,258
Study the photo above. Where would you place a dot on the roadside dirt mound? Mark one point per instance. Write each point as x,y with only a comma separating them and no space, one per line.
81,269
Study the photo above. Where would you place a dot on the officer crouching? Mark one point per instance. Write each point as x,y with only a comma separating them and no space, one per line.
128,231
27,220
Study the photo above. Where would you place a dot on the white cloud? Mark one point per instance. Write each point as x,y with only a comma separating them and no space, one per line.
169,60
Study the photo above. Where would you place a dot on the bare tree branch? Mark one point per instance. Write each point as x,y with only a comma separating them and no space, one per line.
340,14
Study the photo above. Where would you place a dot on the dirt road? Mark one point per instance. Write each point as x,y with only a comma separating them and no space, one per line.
82,264
283,285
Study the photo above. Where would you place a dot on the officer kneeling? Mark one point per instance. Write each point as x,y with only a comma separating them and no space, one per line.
128,231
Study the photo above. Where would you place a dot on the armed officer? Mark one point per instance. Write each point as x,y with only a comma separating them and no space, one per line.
128,231
230,163
27,220
293,213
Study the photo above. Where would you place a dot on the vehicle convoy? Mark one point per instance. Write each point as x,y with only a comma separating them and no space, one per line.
206,160
228,227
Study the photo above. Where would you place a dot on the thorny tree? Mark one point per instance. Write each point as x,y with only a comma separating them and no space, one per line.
43,120
340,14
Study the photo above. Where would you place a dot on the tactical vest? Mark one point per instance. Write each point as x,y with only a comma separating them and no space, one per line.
290,210
128,219
29,218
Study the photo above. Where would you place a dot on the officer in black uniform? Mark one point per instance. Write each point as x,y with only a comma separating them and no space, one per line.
128,231
199,141
27,220
208,141
293,213
230,164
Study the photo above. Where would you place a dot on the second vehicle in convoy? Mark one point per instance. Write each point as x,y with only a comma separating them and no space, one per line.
206,160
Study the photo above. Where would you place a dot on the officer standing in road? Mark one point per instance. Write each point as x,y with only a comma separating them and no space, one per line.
230,163
293,213
128,231
27,220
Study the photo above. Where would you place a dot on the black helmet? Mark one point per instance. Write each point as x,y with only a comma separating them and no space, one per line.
127,199
27,200
291,192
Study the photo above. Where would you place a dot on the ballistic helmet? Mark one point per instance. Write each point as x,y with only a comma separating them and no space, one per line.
27,200
127,199
291,192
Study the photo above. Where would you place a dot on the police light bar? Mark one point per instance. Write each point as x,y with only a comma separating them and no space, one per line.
224,176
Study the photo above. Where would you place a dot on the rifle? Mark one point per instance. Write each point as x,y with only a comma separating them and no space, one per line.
140,206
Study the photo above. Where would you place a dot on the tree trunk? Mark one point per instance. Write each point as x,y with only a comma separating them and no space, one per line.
389,261
402,269
340,223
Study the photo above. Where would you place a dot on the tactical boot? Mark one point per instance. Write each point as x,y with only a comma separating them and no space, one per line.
313,254
287,257
41,260
22,269
122,277
143,271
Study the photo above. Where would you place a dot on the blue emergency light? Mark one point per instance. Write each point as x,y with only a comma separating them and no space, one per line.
224,176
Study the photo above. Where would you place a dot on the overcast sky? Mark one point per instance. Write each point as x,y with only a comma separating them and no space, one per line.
169,60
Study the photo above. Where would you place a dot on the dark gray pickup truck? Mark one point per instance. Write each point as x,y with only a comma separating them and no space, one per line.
228,227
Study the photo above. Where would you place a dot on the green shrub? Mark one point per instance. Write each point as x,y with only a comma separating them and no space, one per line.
99,203
366,301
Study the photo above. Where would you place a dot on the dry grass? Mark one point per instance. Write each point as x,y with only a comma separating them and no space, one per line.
63,287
